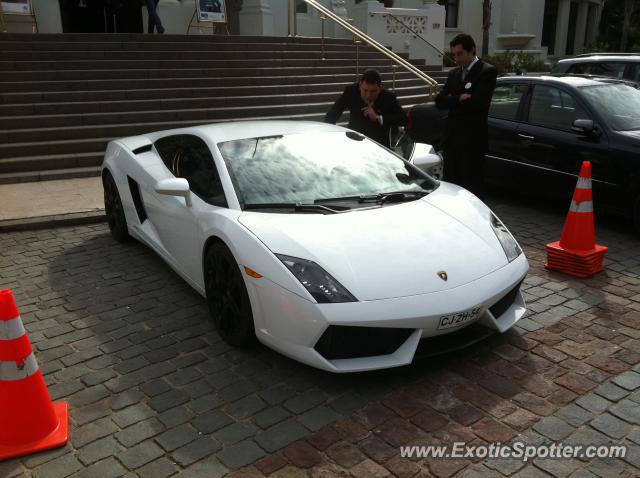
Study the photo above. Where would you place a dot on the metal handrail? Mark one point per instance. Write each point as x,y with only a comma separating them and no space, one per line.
433,84
438,50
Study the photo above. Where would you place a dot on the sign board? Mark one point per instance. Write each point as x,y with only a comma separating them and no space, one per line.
212,11
19,7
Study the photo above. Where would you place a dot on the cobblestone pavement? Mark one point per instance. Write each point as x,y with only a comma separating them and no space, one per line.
153,392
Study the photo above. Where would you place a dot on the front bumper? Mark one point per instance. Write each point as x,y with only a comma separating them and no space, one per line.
298,328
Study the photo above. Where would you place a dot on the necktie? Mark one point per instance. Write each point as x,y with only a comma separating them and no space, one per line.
464,73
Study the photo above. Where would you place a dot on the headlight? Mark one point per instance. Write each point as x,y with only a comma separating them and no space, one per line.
324,288
508,243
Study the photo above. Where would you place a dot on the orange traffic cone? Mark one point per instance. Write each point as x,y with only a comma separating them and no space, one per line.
29,422
577,253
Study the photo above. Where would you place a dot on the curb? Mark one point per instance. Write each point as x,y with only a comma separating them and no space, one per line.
58,220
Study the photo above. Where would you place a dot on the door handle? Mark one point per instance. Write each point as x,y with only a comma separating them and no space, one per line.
526,136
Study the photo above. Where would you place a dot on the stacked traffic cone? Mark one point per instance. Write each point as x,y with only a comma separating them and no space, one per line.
29,422
577,253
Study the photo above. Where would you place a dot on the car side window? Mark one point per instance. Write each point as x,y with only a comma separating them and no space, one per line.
169,149
554,108
506,100
189,157
198,167
604,68
634,74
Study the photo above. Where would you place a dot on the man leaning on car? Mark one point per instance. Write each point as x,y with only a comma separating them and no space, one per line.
467,95
373,111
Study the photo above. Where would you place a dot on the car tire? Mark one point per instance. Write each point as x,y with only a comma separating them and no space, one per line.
113,208
227,297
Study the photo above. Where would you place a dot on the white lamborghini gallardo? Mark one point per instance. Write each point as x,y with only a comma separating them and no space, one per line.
317,241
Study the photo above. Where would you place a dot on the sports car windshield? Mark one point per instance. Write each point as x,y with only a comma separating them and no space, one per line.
619,105
313,167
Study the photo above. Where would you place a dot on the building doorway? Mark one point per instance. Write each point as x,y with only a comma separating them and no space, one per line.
101,16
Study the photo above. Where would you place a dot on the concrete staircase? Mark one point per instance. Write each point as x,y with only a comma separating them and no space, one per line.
64,96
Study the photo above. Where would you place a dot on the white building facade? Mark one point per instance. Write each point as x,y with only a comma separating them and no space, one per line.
420,28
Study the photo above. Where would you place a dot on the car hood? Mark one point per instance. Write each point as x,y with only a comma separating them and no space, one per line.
394,251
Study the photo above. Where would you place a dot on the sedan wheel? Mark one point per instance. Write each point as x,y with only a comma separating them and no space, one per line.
227,297
114,211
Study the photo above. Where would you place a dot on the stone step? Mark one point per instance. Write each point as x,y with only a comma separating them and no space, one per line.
98,48
202,115
49,134
193,82
33,168
64,96
19,98
168,104
310,68
186,64
168,55
25,164
48,175
115,38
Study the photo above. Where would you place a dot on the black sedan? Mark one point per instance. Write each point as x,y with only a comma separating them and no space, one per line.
541,129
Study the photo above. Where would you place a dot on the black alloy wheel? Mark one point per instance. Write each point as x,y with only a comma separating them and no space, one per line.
113,209
227,297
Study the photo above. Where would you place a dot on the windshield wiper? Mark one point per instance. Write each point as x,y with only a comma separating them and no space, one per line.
394,196
297,207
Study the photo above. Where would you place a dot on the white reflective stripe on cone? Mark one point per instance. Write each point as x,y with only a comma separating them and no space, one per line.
584,206
9,371
11,329
584,183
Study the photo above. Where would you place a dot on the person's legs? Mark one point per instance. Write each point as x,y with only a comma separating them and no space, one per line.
159,26
472,170
450,163
154,19
151,11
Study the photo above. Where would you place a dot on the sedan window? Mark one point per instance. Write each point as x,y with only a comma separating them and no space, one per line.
612,69
308,167
506,100
554,108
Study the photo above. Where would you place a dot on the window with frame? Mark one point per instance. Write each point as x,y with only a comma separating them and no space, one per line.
302,7
189,157
554,108
612,69
451,12
506,101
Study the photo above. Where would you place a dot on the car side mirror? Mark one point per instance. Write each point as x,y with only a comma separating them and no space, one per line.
425,158
585,127
174,187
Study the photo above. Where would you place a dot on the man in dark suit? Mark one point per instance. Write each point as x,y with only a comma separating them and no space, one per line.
373,111
467,95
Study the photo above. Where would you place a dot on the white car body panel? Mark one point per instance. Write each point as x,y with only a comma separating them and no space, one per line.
387,257
407,251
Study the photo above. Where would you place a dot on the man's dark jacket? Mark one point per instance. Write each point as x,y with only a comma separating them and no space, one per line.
467,121
386,105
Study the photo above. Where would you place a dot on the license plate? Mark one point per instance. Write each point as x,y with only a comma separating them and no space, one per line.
459,318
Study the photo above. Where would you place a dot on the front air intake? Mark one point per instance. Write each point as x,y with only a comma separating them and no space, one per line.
346,342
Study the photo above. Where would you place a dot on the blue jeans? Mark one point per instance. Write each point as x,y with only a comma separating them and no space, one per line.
154,19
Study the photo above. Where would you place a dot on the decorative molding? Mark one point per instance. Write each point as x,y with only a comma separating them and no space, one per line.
418,24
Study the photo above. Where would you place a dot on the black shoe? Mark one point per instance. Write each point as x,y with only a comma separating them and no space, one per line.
161,29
